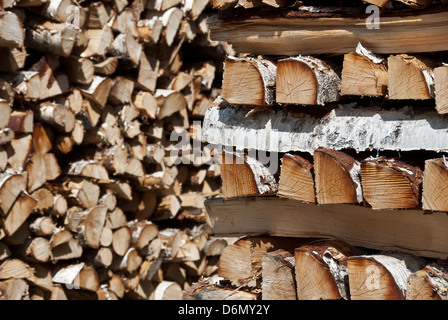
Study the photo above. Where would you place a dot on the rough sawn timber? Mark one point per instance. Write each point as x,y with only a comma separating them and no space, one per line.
409,231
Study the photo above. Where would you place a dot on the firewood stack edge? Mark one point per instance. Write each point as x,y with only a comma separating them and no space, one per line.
97,199
334,172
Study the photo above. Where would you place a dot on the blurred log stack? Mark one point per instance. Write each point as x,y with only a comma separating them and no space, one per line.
95,202
333,120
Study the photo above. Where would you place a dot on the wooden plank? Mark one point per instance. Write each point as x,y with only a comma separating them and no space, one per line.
301,32
410,231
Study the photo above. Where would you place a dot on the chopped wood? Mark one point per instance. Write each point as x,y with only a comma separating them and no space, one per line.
390,184
337,177
306,81
380,277
278,276
206,291
100,40
244,175
428,283
441,89
11,186
364,75
434,185
321,270
249,81
20,121
296,179
12,34
420,83
19,213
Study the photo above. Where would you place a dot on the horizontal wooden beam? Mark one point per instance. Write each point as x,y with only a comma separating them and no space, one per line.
348,127
410,231
320,33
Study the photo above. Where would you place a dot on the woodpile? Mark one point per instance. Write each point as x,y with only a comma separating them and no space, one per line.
97,198
333,147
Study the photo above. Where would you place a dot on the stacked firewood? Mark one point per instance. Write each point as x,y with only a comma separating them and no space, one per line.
99,199
332,120
283,268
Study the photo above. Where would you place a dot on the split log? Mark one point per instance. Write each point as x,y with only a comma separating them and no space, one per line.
380,277
249,81
296,179
100,41
52,37
5,114
127,49
169,102
37,249
121,91
244,175
64,246
19,149
12,33
441,89
14,59
364,74
390,184
11,185
106,67
168,290
19,213
148,71
420,83
57,116
37,172
306,81
20,121
78,276
149,30
171,22
337,177
42,139
278,276
13,289
79,70
434,185
91,226
97,16
98,90
428,283
121,241
321,270
89,169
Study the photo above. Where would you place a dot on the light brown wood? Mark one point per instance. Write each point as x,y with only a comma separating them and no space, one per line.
20,211
337,177
249,81
11,185
91,226
12,34
362,76
428,283
433,185
321,270
308,33
243,176
419,84
390,184
385,230
296,179
20,121
441,89
380,277
126,49
100,40
278,276
306,81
